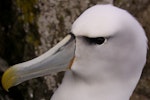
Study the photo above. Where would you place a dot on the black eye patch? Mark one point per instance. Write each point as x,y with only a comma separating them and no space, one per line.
98,40
73,36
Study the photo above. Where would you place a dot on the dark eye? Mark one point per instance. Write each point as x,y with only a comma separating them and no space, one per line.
98,40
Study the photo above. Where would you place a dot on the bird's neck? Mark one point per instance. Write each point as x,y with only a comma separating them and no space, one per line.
93,81
74,87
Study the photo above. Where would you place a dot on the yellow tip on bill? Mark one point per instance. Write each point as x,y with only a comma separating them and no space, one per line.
9,78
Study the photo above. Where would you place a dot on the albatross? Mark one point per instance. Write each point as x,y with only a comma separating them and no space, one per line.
103,57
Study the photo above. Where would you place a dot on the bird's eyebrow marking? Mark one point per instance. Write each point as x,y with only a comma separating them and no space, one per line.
95,40
86,37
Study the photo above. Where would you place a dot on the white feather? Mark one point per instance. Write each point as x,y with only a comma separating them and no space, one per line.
109,71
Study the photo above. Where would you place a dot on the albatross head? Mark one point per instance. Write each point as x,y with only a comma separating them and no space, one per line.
107,48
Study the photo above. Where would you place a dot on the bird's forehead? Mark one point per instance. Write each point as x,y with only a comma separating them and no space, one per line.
97,21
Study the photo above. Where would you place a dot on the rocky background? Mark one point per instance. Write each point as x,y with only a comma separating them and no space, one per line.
29,28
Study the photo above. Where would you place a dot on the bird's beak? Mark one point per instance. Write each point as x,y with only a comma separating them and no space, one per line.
56,59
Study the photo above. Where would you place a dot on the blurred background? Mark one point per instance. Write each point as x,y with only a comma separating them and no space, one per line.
28,28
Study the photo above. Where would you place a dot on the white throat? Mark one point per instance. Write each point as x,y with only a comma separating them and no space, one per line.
74,87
